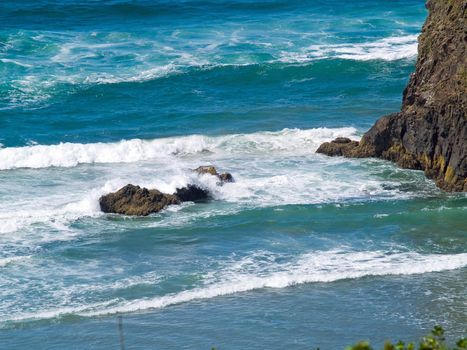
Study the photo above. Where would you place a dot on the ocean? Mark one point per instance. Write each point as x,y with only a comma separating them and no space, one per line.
301,251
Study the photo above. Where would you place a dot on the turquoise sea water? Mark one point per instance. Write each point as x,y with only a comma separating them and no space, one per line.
301,251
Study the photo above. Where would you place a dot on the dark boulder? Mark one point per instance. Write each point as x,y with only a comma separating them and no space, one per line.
134,200
226,177
192,193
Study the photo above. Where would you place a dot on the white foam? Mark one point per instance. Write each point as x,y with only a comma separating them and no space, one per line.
29,89
72,52
388,49
56,213
127,151
142,76
6,261
443,208
263,270
15,62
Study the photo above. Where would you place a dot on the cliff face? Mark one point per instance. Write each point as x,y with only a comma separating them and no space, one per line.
430,131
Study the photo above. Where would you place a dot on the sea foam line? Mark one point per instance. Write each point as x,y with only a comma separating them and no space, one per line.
387,49
126,151
323,267
15,62
250,274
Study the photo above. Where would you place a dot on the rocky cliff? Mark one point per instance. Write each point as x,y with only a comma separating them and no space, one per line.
430,131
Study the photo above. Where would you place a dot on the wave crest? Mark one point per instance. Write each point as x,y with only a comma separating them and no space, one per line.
127,151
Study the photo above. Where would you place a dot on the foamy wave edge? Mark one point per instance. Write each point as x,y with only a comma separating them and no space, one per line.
7,261
127,151
318,267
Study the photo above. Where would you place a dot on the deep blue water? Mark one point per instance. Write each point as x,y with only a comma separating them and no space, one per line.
302,251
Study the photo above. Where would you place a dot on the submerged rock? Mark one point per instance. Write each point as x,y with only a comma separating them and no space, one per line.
209,169
430,131
134,200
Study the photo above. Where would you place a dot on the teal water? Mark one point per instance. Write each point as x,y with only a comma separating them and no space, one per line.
301,251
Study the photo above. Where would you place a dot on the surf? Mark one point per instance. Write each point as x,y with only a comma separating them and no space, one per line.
127,151
251,274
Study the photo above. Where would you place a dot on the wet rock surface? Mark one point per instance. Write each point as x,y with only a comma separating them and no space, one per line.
430,131
135,200
341,146
226,177
206,169
192,193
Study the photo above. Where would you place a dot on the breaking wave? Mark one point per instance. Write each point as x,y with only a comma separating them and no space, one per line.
127,151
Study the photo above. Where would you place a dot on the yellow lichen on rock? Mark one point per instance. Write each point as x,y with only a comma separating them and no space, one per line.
450,175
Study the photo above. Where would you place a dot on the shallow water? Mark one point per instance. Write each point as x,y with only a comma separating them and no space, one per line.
300,251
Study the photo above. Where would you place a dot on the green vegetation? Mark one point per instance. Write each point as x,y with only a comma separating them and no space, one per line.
434,341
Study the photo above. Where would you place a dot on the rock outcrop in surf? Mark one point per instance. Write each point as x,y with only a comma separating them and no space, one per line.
136,200
341,146
192,193
208,169
430,131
